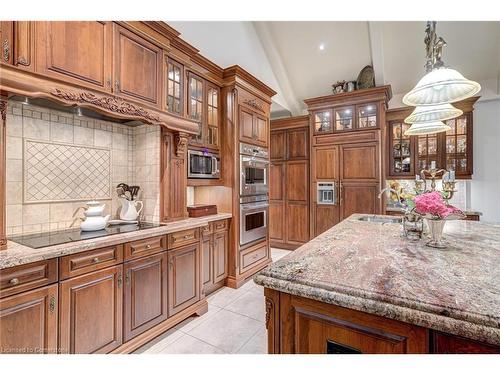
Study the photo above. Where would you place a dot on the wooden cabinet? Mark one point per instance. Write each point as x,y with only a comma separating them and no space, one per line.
204,107
28,322
215,254
6,39
175,87
145,294
24,44
344,118
289,183
91,312
254,127
450,150
77,52
183,277
137,66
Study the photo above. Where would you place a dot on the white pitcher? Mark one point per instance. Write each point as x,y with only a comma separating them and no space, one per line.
129,209
94,219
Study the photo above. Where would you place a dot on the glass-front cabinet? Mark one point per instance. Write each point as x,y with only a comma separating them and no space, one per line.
322,121
345,118
457,145
175,87
213,115
401,148
367,116
427,153
195,104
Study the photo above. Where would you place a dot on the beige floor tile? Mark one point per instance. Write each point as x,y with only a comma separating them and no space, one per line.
224,296
226,330
250,304
194,321
257,344
155,346
190,345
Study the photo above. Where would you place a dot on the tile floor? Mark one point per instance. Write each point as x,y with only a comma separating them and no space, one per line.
234,323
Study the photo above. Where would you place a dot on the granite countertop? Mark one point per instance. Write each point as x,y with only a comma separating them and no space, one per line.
391,208
17,254
370,267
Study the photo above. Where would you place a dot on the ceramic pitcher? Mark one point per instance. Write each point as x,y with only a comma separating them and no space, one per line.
129,209
94,219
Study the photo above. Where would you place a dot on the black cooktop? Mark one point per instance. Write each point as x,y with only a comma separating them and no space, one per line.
39,240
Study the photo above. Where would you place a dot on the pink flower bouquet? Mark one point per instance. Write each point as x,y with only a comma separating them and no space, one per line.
432,206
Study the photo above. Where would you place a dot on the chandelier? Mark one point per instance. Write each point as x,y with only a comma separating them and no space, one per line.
436,90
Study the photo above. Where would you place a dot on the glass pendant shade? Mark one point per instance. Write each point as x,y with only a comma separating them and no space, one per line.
427,128
440,86
433,113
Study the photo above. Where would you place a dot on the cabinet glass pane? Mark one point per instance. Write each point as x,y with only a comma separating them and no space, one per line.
322,122
367,116
400,148
344,119
212,115
174,92
456,145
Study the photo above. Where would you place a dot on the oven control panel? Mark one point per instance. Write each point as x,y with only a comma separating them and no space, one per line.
251,150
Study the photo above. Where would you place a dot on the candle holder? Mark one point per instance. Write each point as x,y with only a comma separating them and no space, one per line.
449,189
433,173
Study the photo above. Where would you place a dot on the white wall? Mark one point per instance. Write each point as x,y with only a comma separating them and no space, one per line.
485,185
231,43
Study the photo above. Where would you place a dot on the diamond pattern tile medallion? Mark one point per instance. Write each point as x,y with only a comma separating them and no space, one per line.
60,172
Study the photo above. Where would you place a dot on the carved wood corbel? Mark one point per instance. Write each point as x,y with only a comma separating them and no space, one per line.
269,311
3,108
181,144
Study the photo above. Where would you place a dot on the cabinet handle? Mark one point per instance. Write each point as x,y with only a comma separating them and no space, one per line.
127,277
14,281
120,280
52,304
341,187
6,50
188,236
117,86
95,260
148,246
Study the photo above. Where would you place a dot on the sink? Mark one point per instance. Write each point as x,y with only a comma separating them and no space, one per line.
377,219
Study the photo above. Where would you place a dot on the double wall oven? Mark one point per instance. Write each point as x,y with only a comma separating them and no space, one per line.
254,189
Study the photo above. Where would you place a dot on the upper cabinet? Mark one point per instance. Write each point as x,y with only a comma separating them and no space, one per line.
137,67
254,127
345,118
77,52
6,37
175,87
204,107
451,150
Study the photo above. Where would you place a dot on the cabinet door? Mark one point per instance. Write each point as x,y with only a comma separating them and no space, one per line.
246,125
297,144
213,116
28,322
196,102
137,67
297,222
207,261
261,130
220,251
6,36
24,32
276,175
277,146
183,278
359,162
458,146
277,221
325,217
366,116
79,52
296,180
401,151
428,152
91,312
175,87
145,297
358,198
325,163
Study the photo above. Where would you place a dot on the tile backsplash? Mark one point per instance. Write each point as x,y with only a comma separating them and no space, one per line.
134,159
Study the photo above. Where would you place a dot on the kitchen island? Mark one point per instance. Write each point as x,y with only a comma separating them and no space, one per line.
362,287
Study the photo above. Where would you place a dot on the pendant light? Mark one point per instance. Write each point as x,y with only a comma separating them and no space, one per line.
441,84
433,113
427,128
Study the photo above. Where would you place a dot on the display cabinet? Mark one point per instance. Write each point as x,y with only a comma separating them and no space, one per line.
322,121
401,149
175,87
344,118
458,145
367,116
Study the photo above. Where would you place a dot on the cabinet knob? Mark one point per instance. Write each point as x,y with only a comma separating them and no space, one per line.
14,281
95,260
148,246
188,236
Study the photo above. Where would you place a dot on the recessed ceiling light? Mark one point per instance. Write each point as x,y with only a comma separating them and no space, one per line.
322,46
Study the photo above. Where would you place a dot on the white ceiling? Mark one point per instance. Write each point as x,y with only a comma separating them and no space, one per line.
286,55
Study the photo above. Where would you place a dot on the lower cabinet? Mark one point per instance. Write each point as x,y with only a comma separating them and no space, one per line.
145,295
214,256
220,255
91,312
183,277
28,322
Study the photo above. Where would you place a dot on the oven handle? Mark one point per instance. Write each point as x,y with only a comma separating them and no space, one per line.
215,167
251,207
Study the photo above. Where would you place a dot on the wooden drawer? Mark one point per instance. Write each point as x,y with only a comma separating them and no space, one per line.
184,237
147,246
249,257
27,276
78,264
206,230
219,225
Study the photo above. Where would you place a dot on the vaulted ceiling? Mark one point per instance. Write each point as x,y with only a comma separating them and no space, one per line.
287,55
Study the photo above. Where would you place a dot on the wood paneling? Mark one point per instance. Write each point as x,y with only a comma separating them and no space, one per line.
325,217
297,144
27,276
207,262
359,162
183,278
24,49
297,180
145,296
261,130
277,221
325,164
138,67
276,176
444,343
28,322
246,125
360,198
296,222
277,148
220,254
6,41
93,299
78,52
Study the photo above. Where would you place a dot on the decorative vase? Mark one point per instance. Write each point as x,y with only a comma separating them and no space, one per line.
436,233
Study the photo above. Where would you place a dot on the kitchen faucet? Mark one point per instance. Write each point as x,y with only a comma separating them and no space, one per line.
392,191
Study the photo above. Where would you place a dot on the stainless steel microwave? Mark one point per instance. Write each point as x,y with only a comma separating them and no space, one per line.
202,164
